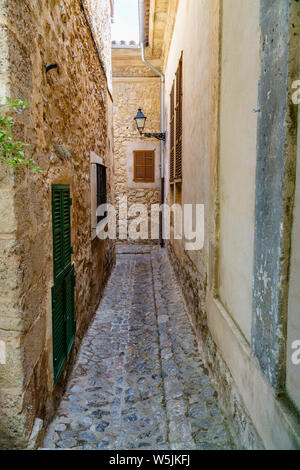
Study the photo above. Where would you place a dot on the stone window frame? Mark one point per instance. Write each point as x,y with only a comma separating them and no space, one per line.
129,148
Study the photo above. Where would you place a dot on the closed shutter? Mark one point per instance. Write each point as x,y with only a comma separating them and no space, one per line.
61,222
144,166
172,135
101,189
178,159
63,305
58,329
69,284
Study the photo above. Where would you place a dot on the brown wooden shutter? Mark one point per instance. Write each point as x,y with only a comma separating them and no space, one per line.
172,134
178,159
144,166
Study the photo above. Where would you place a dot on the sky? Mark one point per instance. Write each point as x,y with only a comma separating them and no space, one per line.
126,24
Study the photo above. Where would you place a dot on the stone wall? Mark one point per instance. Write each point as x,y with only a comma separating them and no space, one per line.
130,93
100,17
69,114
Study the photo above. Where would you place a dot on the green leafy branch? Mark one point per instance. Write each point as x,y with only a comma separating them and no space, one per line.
12,152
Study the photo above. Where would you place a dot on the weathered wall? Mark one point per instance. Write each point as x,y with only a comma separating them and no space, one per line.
200,19
67,116
293,332
100,17
130,93
194,19
275,420
240,62
275,184
220,89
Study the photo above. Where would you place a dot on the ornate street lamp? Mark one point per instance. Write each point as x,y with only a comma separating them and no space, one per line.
140,121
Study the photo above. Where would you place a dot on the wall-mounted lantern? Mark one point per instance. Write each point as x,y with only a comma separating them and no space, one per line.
140,121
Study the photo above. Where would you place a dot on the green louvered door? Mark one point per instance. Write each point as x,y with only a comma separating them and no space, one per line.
63,308
58,329
69,284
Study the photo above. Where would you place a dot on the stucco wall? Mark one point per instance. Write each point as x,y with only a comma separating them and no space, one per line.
67,117
196,33
195,19
293,334
192,21
240,69
220,156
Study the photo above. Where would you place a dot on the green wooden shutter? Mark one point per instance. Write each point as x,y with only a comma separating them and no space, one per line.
58,328
62,248
63,305
69,282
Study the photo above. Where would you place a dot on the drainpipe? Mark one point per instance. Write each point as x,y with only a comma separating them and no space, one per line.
162,82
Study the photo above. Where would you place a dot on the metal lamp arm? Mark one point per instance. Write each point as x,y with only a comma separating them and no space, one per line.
157,135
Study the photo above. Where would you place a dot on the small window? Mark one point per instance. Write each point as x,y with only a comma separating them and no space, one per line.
101,189
144,166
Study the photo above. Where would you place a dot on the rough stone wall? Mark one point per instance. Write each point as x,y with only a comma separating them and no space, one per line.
67,117
129,95
100,17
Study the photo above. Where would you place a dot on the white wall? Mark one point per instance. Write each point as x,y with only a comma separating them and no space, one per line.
192,37
238,124
293,370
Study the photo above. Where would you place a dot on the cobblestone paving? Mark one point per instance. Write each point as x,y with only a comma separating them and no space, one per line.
139,382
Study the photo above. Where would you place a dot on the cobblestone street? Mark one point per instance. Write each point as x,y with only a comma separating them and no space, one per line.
139,382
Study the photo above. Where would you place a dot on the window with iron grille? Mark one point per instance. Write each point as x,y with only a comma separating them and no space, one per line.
144,166
101,189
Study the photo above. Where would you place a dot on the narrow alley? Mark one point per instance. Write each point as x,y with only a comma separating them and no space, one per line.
149,225
139,382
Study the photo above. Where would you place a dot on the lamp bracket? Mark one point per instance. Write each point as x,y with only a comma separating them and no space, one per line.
157,135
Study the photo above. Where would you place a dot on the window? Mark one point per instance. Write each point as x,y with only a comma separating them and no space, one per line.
98,191
101,189
176,126
144,166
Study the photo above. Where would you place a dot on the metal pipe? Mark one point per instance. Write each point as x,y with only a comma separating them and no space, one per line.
162,82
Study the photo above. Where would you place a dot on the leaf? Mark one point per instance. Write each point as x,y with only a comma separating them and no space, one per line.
12,153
